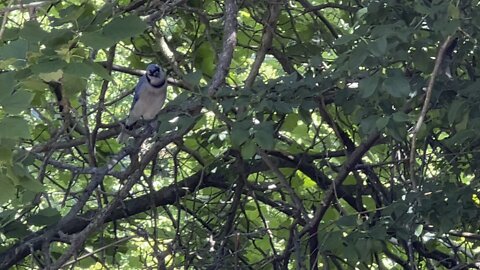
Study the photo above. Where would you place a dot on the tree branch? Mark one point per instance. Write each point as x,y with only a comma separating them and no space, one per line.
10,8
307,5
229,43
426,104
266,43
331,5
347,167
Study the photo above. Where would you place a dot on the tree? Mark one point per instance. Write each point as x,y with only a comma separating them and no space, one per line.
297,135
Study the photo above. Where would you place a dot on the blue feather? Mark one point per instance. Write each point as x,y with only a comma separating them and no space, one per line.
149,97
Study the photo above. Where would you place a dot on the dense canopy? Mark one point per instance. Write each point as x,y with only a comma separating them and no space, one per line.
303,134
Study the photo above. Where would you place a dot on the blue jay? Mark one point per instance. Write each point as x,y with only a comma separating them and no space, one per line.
150,94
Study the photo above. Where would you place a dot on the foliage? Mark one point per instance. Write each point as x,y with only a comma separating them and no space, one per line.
286,141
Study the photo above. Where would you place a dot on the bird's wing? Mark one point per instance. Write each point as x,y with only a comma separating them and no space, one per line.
142,83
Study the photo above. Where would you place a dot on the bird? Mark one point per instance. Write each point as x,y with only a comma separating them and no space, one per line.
149,96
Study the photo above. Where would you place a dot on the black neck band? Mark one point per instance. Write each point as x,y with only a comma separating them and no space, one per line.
162,82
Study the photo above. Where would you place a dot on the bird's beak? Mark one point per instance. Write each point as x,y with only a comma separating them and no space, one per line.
154,74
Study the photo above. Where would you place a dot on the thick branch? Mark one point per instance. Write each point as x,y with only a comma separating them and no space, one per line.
266,43
165,196
229,43
348,166
170,194
138,72
283,59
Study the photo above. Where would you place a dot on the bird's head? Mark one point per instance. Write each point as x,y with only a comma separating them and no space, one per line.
154,70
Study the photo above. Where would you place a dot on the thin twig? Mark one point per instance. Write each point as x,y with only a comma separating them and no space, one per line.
78,240
299,207
347,167
11,7
426,103
5,18
307,5
101,107
331,5
98,250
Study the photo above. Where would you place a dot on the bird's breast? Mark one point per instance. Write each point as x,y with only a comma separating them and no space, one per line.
149,104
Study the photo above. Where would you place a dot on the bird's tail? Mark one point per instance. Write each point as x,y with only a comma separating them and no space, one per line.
122,137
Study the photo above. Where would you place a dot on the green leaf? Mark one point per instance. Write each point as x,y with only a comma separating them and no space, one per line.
19,101
463,124
47,66
240,133
194,78
357,57
378,232
396,84
460,137
331,241
282,107
73,84
227,104
79,69
32,32
7,82
45,217
345,39
378,47
165,123
13,127
350,181
368,125
34,84
97,40
363,248
369,85
316,60
369,202
16,49
382,122
58,37
6,151
347,221
15,229
453,11
418,230
455,110
306,181
264,135
100,71
11,33
363,11
8,189
104,13
31,184
124,27
51,76
204,58
291,121
400,117
350,253
186,122
69,13
248,150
